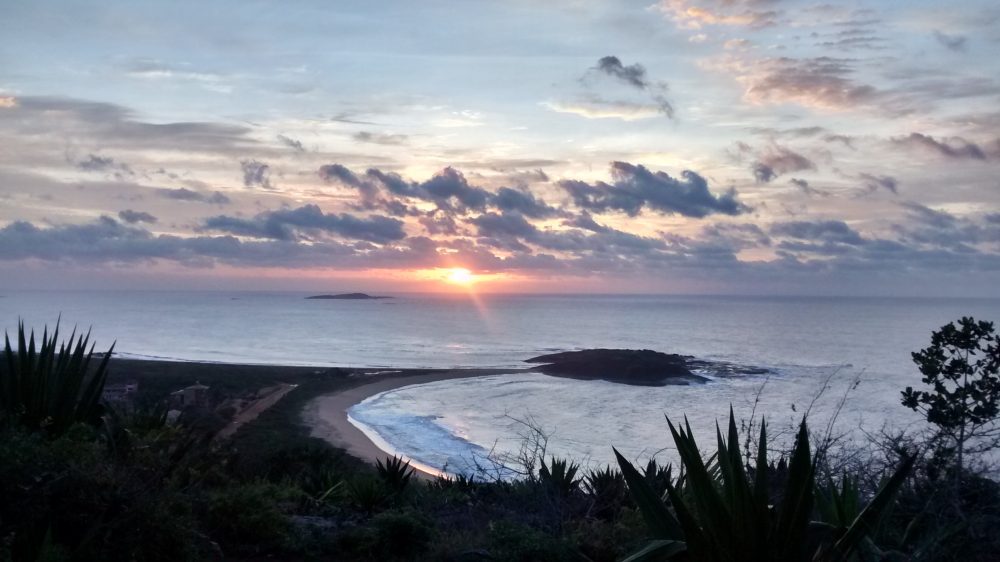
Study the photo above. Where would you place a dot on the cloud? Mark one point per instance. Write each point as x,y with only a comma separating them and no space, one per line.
504,225
830,231
94,163
807,189
955,43
695,14
596,108
940,229
822,82
634,187
633,75
873,183
294,144
448,189
113,126
522,201
778,160
288,224
185,194
256,174
157,70
133,217
380,138
956,148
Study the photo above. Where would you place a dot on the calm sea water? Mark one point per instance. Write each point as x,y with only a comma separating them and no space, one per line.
804,341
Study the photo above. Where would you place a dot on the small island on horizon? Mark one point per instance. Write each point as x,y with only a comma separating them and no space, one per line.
640,367
347,297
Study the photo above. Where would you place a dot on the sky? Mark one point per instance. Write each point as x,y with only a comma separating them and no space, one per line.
680,146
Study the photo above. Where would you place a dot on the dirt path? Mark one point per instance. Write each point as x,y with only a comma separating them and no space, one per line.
250,413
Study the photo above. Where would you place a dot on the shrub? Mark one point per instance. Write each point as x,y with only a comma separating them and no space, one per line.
51,386
559,477
402,534
250,514
367,494
725,514
395,473
515,542
607,491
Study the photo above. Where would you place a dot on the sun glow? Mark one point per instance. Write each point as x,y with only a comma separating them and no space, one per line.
460,276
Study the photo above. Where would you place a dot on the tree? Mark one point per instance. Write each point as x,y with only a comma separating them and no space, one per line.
961,368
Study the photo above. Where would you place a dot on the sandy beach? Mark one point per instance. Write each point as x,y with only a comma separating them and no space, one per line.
327,414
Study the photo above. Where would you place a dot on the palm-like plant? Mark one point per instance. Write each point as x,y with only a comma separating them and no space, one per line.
606,488
51,386
395,473
560,476
725,512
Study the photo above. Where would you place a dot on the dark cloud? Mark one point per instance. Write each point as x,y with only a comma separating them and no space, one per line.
736,236
940,229
294,144
872,183
510,231
439,223
522,201
94,163
288,224
845,140
831,231
951,42
816,253
504,225
185,194
585,221
633,75
448,189
634,187
256,174
133,217
807,189
952,147
450,183
763,173
380,138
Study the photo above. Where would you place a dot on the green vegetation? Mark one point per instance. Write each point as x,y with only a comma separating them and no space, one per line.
721,511
48,387
82,481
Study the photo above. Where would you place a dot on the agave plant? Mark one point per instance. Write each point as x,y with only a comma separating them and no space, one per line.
658,476
366,493
606,488
725,512
51,386
560,476
395,473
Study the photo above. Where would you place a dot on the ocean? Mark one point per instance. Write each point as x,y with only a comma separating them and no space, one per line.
857,347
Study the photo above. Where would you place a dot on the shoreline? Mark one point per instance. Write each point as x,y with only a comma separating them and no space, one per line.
326,415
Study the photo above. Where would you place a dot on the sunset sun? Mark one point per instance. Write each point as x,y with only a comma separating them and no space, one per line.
460,276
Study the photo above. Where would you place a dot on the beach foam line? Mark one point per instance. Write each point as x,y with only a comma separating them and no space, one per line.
386,447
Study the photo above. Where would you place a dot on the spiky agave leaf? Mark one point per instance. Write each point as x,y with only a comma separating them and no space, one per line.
396,473
51,385
661,522
866,522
